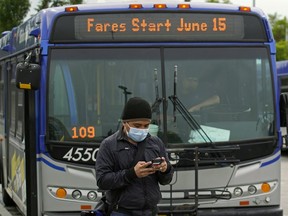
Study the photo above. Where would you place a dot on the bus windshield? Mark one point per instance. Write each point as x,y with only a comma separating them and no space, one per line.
88,88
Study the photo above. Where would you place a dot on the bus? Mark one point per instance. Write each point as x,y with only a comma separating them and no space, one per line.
67,73
282,74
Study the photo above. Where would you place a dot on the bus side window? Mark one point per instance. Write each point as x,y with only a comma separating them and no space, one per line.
1,95
20,115
2,100
283,109
284,83
13,100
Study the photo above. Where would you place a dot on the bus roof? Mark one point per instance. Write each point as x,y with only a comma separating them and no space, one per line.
44,20
197,6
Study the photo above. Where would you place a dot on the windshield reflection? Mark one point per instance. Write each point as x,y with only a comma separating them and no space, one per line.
225,92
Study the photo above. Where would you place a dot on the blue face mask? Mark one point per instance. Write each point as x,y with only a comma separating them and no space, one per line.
137,134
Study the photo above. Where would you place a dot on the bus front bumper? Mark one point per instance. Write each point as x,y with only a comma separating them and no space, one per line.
252,211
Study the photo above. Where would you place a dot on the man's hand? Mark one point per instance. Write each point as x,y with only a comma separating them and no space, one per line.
143,169
161,167
195,108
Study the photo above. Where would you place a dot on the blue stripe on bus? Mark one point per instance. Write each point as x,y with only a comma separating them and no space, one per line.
271,161
50,164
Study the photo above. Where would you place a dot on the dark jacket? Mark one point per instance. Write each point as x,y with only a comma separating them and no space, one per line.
114,171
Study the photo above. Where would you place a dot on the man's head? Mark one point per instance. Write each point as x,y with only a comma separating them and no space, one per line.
136,118
136,109
191,82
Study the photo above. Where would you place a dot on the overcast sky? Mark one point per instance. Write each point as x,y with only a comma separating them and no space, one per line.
268,6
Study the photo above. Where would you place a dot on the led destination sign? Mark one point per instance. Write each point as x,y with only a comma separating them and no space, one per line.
121,26
160,27
137,24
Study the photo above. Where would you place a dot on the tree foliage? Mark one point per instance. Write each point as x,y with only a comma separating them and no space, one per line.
12,13
55,3
281,48
280,31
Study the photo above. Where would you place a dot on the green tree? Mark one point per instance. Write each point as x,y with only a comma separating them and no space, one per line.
55,3
280,30
281,50
12,13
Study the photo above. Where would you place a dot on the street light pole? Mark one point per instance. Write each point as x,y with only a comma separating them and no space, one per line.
254,3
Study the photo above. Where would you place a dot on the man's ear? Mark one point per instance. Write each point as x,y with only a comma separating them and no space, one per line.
125,126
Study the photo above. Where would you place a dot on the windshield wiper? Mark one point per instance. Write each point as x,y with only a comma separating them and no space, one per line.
155,108
194,125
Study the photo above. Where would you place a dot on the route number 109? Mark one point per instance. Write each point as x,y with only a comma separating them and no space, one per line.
83,132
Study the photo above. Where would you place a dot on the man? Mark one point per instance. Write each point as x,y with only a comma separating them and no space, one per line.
197,97
133,189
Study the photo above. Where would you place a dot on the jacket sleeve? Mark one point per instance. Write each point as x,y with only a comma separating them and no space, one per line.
106,176
166,177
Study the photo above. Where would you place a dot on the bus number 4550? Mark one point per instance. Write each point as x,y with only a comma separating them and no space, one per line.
81,154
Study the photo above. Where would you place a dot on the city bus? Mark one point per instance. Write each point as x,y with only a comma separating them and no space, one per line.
282,74
67,72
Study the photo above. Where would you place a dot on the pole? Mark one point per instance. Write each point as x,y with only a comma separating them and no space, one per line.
196,179
254,3
30,153
286,29
175,91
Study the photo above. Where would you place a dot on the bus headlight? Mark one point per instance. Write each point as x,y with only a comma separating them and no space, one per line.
238,192
252,189
92,195
76,194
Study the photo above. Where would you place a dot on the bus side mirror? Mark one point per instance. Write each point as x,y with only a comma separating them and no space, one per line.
28,76
283,109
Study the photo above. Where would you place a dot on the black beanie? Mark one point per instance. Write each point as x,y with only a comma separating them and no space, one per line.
136,108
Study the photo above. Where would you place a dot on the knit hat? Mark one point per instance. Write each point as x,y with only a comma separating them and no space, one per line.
136,108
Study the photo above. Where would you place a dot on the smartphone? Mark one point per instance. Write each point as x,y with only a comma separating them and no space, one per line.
157,161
